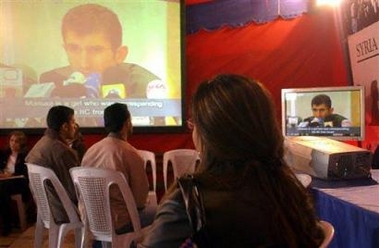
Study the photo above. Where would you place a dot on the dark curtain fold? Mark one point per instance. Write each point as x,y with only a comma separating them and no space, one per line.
236,13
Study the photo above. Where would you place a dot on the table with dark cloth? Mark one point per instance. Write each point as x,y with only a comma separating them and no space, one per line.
353,211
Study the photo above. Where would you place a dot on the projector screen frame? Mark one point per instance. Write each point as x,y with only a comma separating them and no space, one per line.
179,127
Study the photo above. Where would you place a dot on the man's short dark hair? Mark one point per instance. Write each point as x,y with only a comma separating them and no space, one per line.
115,116
58,115
322,99
93,18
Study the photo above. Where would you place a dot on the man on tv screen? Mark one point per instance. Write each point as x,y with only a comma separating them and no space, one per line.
323,115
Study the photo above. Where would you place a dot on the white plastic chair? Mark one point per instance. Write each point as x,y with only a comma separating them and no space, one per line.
305,179
182,160
328,230
149,158
93,185
38,177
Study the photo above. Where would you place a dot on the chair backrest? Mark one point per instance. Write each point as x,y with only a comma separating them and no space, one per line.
328,230
39,176
149,157
182,160
93,188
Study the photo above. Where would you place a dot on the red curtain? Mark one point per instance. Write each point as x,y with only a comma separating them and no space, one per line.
301,52
191,2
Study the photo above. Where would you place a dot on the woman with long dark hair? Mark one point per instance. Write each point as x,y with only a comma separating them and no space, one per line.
250,197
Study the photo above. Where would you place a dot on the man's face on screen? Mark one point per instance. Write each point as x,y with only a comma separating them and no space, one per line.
321,111
91,53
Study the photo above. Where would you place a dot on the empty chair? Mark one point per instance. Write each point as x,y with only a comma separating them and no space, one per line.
38,177
149,158
328,230
305,179
182,160
93,188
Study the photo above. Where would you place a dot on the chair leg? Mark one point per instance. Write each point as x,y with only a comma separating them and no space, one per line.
38,238
105,244
79,237
54,237
152,198
21,211
62,230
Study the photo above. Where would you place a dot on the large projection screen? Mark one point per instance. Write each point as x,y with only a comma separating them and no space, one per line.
86,67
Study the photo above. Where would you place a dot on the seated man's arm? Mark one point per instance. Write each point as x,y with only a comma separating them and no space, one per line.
137,178
67,160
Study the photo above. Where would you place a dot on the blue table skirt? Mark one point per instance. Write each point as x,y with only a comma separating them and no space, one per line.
354,226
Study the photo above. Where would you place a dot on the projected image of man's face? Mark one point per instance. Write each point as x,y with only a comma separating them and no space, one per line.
90,53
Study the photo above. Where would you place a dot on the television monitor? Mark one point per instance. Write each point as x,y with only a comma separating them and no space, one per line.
42,66
306,112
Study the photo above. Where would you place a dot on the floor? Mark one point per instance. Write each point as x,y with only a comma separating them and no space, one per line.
18,239
8,240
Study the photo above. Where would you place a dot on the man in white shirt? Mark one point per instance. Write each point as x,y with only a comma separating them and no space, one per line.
116,153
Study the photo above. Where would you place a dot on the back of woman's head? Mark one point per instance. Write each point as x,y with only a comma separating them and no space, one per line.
240,139
235,120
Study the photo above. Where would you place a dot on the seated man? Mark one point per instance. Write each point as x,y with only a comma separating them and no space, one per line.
116,153
92,38
53,151
323,114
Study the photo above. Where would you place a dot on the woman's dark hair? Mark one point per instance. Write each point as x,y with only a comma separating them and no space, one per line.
236,125
236,120
115,116
58,115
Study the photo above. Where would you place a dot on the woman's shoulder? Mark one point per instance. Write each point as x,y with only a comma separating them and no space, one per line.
23,153
3,159
172,196
2,153
171,227
172,203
